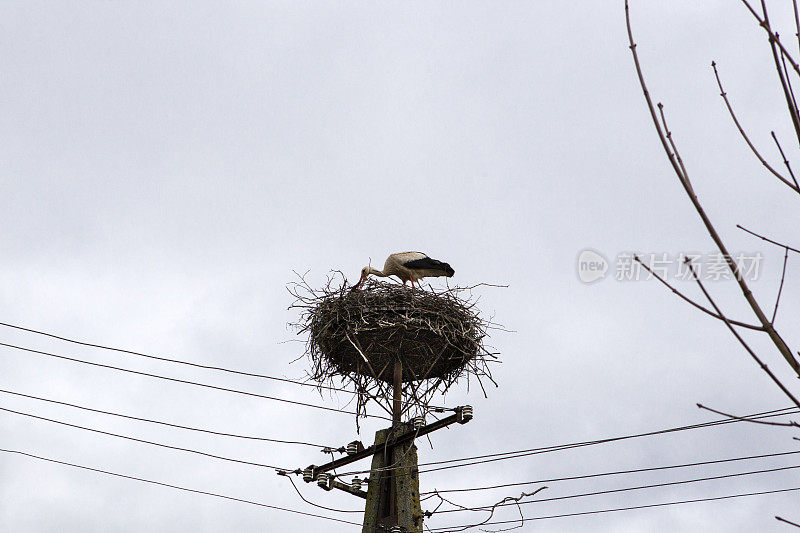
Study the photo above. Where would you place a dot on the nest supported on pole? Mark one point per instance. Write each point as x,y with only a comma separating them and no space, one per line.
355,336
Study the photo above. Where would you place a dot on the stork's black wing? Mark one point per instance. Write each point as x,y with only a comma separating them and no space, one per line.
427,263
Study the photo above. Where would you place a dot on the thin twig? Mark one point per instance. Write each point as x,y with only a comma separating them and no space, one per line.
753,149
788,79
780,288
470,287
650,107
796,22
697,305
774,43
765,24
785,161
674,148
754,234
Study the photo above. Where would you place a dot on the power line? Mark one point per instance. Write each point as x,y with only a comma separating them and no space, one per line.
534,451
161,422
142,440
177,380
185,489
169,360
631,508
515,454
315,504
625,489
318,386
617,472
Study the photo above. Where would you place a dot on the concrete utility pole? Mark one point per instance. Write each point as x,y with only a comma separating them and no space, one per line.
393,495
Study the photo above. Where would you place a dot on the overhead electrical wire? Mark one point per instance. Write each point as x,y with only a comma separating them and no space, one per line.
143,441
188,382
617,509
177,487
169,424
317,505
490,457
170,360
625,489
534,451
515,454
613,473
318,386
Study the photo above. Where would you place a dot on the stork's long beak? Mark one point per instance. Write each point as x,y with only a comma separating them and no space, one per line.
357,285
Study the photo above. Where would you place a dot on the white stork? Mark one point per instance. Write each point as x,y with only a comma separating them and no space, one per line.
409,266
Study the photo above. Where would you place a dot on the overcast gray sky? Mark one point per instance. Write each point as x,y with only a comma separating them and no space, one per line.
165,167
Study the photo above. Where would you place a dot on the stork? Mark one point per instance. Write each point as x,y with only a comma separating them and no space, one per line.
407,266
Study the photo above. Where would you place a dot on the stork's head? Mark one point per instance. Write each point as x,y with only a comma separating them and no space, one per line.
364,273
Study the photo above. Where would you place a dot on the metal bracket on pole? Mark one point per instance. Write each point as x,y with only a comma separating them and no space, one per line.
335,484
463,414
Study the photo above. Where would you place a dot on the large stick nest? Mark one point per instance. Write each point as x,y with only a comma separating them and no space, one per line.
357,335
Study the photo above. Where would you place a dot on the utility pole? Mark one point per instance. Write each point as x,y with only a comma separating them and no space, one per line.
392,498
393,495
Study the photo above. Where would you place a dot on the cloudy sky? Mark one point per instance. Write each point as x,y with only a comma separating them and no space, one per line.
165,168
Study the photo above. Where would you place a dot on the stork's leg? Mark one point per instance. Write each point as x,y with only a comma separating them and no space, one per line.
412,283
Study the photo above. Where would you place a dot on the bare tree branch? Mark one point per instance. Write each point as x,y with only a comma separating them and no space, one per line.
754,234
775,43
780,288
724,96
764,23
650,107
697,305
788,78
674,148
796,22
785,161
746,292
